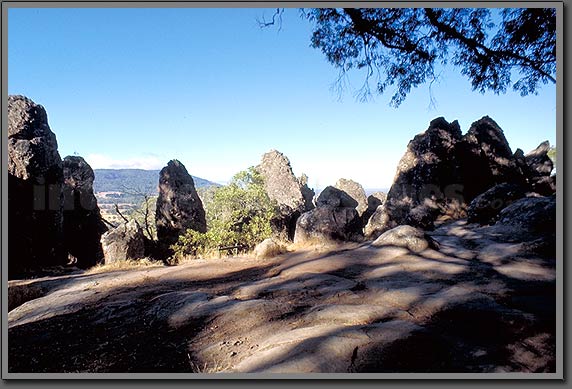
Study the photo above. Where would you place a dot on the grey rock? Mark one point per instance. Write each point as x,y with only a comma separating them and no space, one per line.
427,183
486,159
179,207
378,223
290,193
125,242
83,226
327,223
529,216
356,192
334,197
374,200
485,207
35,179
405,236
539,169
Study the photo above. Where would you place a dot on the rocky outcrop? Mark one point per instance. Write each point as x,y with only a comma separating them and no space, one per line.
179,207
327,224
356,192
485,207
291,194
405,236
539,168
334,197
442,172
35,179
83,225
486,159
378,223
125,242
427,183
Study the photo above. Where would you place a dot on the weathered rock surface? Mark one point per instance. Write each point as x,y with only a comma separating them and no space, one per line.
268,248
83,226
292,194
479,304
427,183
486,159
35,178
333,197
539,167
125,242
355,191
377,223
405,236
374,200
327,223
485,207
179,207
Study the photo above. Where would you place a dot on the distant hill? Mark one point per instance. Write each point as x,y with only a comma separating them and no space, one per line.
122,180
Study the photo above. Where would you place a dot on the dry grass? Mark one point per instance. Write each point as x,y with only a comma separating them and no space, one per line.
124,265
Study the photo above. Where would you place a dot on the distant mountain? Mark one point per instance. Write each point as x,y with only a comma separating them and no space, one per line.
134,180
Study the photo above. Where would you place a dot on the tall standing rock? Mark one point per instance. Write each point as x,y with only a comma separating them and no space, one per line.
35,200
179,207
83,226
427,181
292,195
486,159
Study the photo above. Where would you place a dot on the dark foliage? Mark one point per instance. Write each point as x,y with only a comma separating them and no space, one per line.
404,47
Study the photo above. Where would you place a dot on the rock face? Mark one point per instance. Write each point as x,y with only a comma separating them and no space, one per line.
355,191
528,217
178,206
334,197
539,167
374,201
83,225
442,172
327,223
125,242
292,195
486,159
405,236
485,207
35,178
427,183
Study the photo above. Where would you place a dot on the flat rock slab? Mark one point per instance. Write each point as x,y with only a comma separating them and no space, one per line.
476,305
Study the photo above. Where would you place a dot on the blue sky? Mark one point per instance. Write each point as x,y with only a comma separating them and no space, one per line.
138,87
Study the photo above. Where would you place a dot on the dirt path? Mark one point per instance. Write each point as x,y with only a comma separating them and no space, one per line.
475,305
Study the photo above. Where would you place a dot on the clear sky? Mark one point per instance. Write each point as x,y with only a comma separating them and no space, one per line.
138,87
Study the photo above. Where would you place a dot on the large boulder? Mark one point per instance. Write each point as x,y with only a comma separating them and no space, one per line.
377,223
334,197
179,207
290,193
35,179
125,242
374,200
83,225
529,217
405,236
539,168
427,183
355,191
328,224
485,207
486,159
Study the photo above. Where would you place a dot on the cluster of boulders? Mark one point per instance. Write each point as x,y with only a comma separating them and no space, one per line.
54,218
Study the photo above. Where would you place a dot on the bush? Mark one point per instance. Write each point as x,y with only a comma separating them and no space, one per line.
237,214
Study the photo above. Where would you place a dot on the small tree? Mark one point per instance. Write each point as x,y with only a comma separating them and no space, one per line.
238,214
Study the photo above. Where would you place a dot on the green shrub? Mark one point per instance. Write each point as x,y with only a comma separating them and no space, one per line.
237,214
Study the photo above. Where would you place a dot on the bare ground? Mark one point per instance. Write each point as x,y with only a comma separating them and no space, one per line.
476,305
